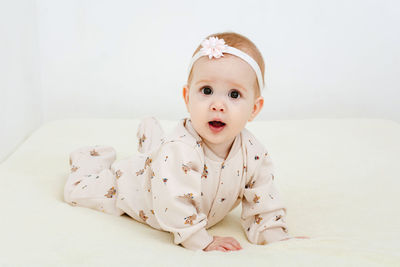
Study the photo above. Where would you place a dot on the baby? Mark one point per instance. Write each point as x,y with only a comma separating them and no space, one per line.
189,180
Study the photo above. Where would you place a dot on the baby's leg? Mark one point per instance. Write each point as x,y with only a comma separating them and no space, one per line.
91,183
149,134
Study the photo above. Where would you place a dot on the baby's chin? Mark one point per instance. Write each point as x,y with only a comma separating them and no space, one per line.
217,139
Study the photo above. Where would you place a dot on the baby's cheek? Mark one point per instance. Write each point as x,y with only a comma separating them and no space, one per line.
242,113
201,108
196,110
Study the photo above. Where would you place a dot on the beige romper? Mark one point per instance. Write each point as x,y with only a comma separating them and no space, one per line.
177,184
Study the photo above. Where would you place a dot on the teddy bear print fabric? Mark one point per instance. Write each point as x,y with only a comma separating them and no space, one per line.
177,184
91,183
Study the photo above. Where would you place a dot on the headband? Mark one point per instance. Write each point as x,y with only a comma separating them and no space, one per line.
214,47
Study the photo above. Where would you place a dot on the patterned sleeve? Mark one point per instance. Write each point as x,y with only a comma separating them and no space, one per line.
176,189
263,215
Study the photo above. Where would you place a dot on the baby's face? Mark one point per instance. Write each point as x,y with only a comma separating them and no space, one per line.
221,98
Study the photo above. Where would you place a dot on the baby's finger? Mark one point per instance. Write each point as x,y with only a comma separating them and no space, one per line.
236,243
233,241
228,246
221,249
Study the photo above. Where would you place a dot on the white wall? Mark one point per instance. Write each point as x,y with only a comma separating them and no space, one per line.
129,58
20,98
80,58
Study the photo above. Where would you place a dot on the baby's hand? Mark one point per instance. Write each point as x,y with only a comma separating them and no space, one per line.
223,244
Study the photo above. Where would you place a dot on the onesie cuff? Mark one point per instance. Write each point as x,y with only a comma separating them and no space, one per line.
198,240
274,235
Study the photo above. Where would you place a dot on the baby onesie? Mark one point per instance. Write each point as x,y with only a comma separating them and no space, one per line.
177,184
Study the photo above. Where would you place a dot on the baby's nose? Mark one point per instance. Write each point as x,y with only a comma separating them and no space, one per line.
218,107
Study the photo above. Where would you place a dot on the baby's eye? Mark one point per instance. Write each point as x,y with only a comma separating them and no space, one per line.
206,90
234,94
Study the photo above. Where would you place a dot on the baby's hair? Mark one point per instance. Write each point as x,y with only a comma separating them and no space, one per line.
242,43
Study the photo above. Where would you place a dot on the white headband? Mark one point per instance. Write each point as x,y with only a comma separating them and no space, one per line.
214,47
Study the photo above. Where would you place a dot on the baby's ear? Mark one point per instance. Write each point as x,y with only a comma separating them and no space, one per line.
185,94
258,105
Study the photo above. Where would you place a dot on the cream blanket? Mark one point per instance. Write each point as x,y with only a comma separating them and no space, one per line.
338,178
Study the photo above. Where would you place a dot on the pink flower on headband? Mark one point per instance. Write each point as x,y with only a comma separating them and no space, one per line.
213,47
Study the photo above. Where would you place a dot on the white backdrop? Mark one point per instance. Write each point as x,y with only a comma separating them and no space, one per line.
125,59
20,94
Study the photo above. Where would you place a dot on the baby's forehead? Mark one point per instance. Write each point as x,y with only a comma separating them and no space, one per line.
228,68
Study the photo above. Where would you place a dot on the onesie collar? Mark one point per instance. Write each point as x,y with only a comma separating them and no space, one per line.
187,123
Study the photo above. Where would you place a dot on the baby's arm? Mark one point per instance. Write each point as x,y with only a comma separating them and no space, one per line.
263,214
176,191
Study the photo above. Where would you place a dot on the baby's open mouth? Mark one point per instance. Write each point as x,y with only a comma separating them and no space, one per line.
216,126
216,123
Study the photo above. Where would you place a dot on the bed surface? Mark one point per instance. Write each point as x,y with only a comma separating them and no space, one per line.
339,179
